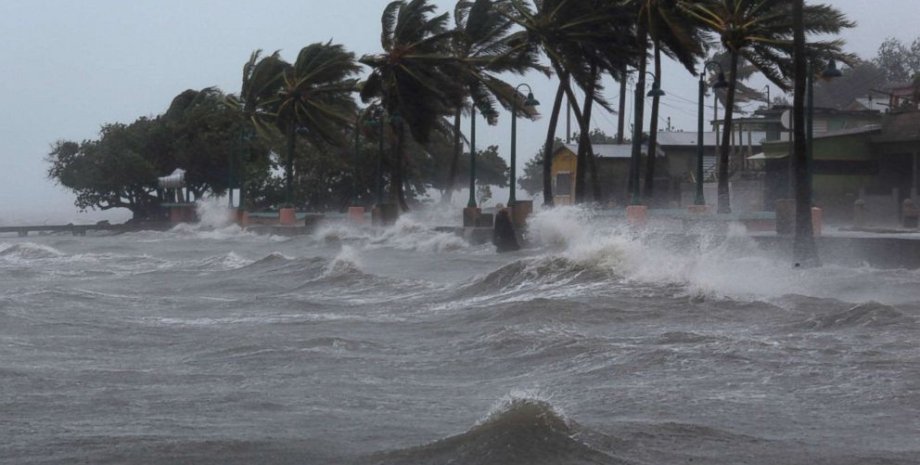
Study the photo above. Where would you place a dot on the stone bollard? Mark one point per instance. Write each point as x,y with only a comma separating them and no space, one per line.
698,209
287,216
637,215
471,216
385,214
356,214
785,217
909,214
520,211
817,221
859,213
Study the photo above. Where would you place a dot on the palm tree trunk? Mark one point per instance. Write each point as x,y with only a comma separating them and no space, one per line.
639,116
724,198
621,117
804,250
548,145
396,181
584,138
653,134
455,160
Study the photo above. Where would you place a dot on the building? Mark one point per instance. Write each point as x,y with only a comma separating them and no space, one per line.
613,171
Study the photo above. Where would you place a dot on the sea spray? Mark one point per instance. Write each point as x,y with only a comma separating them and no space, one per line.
347,261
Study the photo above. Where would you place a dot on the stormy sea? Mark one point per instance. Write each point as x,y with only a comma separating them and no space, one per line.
596,344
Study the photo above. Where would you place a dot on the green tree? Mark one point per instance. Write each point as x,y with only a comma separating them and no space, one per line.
414,78
761,31
115,171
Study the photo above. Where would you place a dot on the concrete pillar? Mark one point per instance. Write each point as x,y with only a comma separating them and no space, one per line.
817,221
471,216
909,214
785,217
356,214
637,215
859,213
698,209
287,216
384,214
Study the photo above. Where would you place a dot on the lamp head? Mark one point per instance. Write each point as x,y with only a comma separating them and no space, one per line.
721,83
656,90
831,71
531,101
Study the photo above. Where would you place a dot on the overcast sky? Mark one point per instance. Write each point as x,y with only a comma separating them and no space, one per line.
69,66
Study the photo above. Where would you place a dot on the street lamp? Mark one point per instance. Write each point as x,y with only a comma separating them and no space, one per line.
720,84
637,133
829,72
376,119
354,177
767,89
472,202
530,101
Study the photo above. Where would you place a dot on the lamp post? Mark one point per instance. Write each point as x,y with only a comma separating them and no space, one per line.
720,84
829,72
376,119
767,88
637,134
472,202
354,176
530,101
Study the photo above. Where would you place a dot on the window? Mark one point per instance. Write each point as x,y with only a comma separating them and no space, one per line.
564,183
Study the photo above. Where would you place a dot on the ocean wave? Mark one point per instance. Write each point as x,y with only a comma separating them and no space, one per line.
523,431
872,315
532,273
28,251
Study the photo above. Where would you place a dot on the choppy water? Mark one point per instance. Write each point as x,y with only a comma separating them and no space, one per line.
215,346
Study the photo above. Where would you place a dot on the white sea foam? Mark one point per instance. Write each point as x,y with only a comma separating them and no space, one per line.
721,265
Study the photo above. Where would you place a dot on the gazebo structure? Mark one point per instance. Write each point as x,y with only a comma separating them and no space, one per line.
176,197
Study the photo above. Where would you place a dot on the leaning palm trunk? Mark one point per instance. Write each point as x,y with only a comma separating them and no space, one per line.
639,110
724,197
621,118
548,145
653,134
584,139
397,192
804,248
454,161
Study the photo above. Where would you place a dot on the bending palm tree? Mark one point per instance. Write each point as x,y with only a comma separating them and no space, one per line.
675,34
761,32
481,44
315,100
581,39
414,78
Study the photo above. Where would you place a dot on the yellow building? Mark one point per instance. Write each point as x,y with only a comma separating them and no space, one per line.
612,165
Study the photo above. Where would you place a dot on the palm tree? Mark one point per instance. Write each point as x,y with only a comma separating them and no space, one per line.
481,44
414,78
804,249
581,39
761,31
675,34
315,100
262,78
